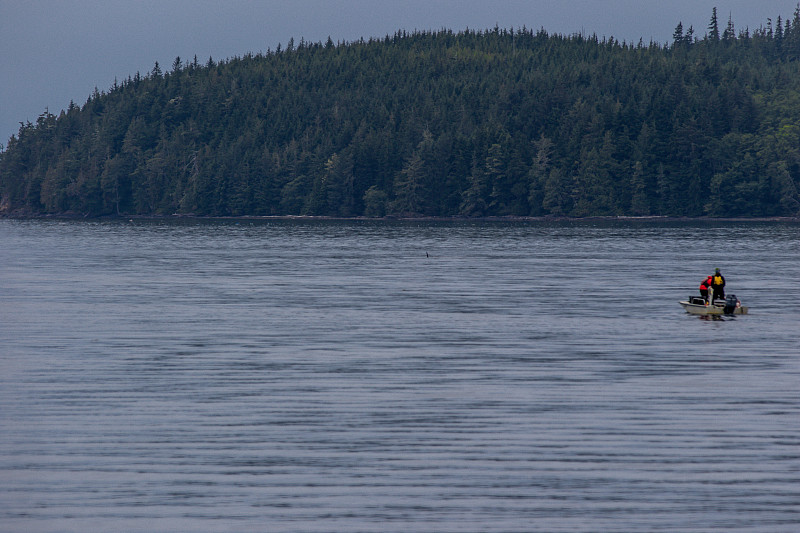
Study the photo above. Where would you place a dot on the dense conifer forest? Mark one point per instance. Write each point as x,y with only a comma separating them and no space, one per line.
476,123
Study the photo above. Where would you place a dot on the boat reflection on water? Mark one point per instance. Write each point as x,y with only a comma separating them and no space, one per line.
716,317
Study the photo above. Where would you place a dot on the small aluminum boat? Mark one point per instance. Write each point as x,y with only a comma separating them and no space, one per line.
729,306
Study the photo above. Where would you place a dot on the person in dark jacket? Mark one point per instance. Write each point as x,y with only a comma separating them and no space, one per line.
718,285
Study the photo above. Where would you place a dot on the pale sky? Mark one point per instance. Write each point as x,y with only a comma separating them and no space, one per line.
54,51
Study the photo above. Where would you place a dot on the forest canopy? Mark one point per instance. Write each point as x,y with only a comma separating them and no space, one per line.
476,123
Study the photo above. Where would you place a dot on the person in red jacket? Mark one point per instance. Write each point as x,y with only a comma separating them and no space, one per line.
704,286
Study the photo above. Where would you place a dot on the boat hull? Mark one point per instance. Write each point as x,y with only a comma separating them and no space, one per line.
700,309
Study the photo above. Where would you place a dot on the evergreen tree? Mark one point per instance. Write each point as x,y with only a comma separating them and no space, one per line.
713,26
677,35
730,33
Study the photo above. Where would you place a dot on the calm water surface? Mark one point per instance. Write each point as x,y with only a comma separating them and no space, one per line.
397,376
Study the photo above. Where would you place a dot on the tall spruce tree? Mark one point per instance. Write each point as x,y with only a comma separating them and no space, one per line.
713,26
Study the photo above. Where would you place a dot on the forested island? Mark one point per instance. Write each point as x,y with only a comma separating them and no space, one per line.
476,123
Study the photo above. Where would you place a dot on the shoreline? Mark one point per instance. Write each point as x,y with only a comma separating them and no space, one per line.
510,218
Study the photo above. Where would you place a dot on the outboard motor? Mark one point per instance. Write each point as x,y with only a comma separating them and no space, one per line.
730,304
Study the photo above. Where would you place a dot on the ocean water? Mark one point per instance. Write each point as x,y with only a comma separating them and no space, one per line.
381,376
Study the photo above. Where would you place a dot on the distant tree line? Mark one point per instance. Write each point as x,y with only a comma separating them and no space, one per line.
476,123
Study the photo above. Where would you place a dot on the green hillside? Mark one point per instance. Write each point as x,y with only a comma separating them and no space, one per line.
486,123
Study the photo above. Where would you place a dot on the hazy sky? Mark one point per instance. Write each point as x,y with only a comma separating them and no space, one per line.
54,51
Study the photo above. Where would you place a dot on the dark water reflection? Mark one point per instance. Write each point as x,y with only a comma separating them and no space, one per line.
396,376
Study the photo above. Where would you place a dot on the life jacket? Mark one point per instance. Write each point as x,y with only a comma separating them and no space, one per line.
705,284
718,281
